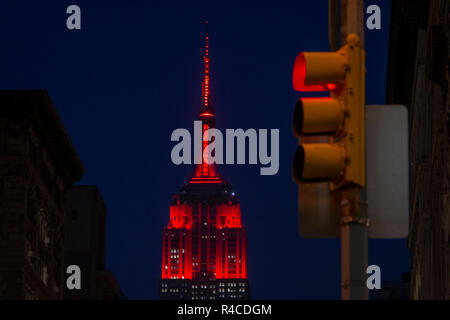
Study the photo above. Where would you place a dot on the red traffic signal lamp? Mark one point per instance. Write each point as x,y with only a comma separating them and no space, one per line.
318,71
339,117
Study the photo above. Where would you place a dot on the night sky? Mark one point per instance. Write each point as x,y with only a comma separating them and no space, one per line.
132,75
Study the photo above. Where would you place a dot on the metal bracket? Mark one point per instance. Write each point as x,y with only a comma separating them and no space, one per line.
348,220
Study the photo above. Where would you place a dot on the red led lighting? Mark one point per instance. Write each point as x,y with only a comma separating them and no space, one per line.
205,84
331,86
205,181
299,76
177,244
205,166
204,169
227,239
205,178
180,216
205,239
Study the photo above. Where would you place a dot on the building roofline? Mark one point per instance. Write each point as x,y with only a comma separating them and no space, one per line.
37,106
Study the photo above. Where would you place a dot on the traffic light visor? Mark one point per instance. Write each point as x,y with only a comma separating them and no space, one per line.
318,162
318,71
317,116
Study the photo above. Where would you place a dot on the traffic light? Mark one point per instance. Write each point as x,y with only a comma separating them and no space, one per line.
339,119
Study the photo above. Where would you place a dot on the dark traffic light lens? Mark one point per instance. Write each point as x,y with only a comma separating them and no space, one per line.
297,119
297,165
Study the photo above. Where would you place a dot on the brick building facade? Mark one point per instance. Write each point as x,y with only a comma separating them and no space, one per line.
418,77
37,164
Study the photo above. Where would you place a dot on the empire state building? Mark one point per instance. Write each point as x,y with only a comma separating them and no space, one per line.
204,246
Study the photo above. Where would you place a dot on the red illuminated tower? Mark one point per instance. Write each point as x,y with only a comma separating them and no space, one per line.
204,250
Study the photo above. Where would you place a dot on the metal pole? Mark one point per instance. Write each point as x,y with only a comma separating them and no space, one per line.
354,250
334,24
352,19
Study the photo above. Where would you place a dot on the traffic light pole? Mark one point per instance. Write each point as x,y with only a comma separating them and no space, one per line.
353,230
354,249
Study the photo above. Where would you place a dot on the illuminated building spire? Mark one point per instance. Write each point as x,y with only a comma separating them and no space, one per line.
206,96
206,171
204,241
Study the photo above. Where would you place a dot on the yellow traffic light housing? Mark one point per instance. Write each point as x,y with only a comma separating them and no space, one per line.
318,71
317,115
318,161
340,117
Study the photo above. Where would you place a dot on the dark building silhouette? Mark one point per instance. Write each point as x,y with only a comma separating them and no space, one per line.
38,163
84,245
204,251
418,77
45,222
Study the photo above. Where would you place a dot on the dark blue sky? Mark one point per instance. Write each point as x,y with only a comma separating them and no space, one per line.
132,75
